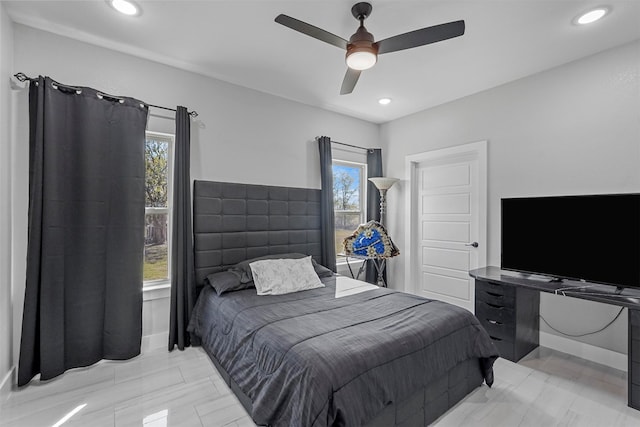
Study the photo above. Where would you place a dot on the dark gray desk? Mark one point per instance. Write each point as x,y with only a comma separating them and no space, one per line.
505,297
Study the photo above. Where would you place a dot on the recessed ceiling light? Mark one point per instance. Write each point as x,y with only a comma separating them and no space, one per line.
591,16
384,101
126,7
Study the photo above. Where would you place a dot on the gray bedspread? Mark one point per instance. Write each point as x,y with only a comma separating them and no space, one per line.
310,359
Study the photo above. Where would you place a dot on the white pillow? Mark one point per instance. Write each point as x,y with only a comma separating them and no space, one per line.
283,276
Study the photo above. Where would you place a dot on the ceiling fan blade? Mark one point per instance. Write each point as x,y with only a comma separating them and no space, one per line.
349,82
310,30
421,37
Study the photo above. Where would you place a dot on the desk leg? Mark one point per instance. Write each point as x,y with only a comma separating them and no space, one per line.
633,373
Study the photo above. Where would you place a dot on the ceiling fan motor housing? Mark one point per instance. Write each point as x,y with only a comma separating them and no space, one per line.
361,40
361,36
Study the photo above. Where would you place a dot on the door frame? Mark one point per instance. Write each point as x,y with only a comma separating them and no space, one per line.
476,149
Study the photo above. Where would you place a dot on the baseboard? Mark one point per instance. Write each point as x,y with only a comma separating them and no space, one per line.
585,351
6,384
155,341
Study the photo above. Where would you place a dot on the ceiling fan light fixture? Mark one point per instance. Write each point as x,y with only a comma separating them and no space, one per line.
362,54
361,59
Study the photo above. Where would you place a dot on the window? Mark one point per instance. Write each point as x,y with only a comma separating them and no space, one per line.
158,195
349,198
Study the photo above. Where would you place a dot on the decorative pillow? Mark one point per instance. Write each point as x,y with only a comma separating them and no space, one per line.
283,276
244,271
227,281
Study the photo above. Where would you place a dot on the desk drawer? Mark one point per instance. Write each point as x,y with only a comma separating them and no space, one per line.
494,298
634,396
496,312
508,292
634,375
497,329
505,348
634,317
634,351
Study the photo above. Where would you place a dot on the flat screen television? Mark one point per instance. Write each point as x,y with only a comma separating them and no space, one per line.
595,238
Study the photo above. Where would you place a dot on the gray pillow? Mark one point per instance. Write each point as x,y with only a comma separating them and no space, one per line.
321,270
243,270
227,281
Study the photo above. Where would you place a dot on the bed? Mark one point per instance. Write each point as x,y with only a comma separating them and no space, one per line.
347,353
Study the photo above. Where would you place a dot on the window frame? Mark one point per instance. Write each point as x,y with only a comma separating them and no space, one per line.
341,259
170,139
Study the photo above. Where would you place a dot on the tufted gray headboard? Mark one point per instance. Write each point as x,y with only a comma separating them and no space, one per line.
235,222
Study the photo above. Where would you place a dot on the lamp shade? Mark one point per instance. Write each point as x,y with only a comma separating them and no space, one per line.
383,183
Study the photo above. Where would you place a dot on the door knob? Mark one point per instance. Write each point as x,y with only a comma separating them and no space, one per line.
474,244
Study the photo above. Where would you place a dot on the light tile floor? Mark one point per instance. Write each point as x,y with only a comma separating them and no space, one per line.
160,389
547,388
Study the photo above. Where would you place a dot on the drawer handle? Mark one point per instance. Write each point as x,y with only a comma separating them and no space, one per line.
494,338
493,294
494,322
499,307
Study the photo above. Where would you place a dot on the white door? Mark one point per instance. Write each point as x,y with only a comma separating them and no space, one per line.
448,222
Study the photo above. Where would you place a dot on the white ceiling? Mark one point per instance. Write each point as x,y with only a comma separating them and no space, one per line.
239,42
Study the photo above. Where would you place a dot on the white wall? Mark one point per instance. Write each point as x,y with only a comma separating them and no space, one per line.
570,130
241,135
6,65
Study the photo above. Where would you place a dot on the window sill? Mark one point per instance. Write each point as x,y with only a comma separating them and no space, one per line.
159,290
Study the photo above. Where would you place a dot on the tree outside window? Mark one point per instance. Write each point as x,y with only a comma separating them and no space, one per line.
158,179
349,198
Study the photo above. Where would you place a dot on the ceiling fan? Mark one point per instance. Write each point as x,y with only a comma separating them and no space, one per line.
362,51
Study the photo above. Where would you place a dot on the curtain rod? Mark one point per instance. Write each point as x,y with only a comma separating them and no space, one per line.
351,145
193,114
23,78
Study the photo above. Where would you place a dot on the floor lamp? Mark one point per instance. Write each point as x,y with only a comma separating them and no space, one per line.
383,184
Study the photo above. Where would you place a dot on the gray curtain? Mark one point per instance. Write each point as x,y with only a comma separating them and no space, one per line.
183,285
374,169
83,295
327,215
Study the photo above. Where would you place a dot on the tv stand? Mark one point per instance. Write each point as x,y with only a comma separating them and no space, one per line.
507,304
